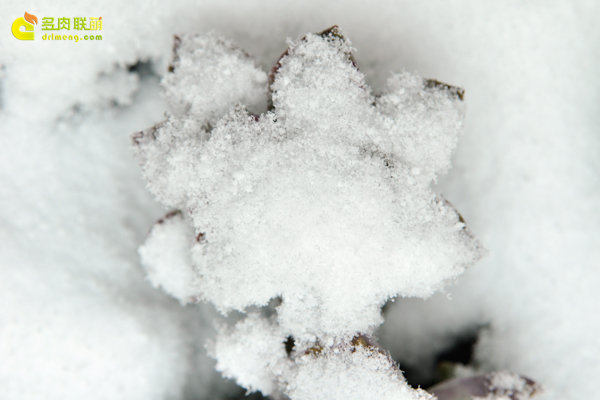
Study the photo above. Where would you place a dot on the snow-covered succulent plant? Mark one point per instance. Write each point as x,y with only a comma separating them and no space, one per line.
305,187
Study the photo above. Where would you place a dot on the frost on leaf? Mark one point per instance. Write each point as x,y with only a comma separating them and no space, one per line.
324,201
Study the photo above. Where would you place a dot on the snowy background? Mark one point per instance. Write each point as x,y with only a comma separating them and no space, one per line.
78,319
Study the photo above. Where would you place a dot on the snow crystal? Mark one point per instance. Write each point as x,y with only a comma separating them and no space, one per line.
423,124
318,91
252,353
203,64
313,201
353,373
166,258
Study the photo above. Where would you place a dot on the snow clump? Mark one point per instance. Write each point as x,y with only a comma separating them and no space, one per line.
321,200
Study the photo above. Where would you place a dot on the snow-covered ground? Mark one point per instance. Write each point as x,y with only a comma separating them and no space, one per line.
79,319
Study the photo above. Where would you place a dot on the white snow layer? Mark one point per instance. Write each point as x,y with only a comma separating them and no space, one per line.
77,318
